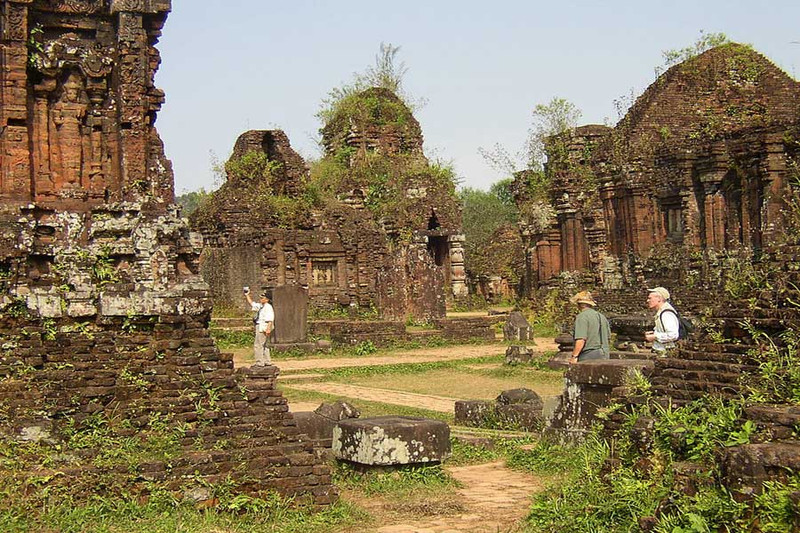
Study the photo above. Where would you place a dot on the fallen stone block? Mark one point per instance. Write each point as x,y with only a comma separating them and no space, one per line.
746,468
521,395
473,413
319,424
517,328
521,416
338,410
391,440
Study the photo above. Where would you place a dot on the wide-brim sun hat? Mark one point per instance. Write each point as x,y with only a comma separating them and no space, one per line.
583,297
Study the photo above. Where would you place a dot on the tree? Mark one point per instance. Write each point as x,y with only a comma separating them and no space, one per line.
553,118
502,190
706,41
483,214
386,73
191,200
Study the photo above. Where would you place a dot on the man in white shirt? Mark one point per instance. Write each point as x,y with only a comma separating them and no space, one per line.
264,323
667,327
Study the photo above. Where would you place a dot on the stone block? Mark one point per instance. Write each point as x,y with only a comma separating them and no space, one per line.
560,361
291,313
319,424
518,355
521,395
610,372
746,468
337,411
523,416
472,413
517,328
391,440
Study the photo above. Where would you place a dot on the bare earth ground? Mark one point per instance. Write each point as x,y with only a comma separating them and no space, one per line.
464,383
492,499
408,399
244,356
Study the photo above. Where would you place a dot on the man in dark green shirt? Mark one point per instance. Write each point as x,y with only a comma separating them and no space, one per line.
591,333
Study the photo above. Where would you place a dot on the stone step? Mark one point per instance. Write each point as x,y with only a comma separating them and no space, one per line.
681,397
668,387
719,357
787,415
703,365
700,376
713,347
424,333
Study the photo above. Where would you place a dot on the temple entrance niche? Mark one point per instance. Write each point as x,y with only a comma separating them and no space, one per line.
742,192
672,218
438,250
325,272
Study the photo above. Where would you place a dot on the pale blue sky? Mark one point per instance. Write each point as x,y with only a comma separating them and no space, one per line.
233,65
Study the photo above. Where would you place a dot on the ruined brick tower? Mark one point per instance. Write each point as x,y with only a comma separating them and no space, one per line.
377,226
103,313
702,163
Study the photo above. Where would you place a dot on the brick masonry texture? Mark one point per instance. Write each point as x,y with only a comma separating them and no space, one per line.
701,162
103,312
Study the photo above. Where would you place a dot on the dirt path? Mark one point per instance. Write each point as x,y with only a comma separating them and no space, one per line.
408,399
493,498
243,356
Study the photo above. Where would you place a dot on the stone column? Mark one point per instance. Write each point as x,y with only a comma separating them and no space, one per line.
643,219
775,187
136,70
15,168
458,274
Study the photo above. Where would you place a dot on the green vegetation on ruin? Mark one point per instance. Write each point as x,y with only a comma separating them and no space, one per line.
250,186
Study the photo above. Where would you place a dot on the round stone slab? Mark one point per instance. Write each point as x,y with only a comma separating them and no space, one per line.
391,440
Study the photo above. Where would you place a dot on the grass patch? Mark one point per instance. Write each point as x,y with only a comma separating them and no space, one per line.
406,368
160,513
468,454
397,481
227,339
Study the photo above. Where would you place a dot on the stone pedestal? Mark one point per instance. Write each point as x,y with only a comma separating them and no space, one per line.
391,440
517,328
291,314
560,361
589,387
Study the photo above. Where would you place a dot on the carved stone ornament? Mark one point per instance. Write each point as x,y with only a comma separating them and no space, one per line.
72,6
92,59
13,27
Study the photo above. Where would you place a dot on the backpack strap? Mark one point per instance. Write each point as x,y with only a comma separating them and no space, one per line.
674,312
678,318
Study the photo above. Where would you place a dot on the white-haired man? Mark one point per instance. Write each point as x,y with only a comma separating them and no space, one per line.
667,327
